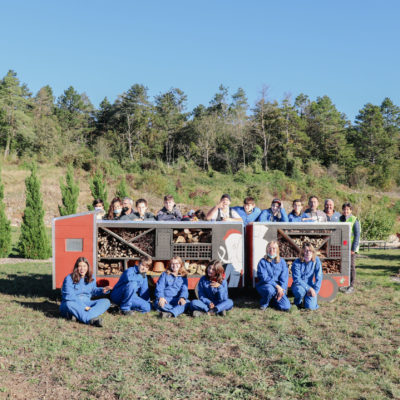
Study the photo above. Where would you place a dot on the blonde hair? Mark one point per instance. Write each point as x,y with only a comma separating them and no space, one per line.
278,257
311,247
182,271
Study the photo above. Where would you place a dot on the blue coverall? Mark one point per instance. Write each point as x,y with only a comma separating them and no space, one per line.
132,291
172,288
296,218
270,274
306,275
77,296
209,294
268,216
247,218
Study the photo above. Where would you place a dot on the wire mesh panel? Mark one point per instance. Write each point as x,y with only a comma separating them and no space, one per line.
193,251
335,251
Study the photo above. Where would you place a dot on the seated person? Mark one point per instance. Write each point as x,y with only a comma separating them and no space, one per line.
76,295
172,290
222,211
127,211
131,292
329,210
273,276
312,212
274,214
249,212
170,212
141,213
213,292
98,205
307,278
115,209
297,214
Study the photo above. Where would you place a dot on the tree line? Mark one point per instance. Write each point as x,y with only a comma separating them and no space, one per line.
226,135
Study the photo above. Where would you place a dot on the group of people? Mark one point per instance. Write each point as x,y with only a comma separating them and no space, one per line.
171,295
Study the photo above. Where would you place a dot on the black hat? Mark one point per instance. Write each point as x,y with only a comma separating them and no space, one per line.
226,196
276,201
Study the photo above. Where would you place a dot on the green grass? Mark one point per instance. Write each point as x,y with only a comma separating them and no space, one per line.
348,349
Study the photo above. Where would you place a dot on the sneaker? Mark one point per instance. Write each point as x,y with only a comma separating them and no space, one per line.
197,314
96,322
348,290
222,313
127,312
164,314
263,308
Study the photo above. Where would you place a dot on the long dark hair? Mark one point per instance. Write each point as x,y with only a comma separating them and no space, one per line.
219,271
110,213
75,273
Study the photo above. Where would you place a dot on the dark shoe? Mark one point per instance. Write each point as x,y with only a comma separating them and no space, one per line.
96,322
197,313
212,311
348,290
127,312
222,313
164,314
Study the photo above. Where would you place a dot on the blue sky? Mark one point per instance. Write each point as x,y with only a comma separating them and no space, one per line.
348,50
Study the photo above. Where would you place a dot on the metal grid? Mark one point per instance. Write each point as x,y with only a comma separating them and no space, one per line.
195,251
335,252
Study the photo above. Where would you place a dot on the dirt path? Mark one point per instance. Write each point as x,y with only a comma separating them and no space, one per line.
21,260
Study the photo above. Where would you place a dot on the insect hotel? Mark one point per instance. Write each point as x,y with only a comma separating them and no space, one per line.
331,241
113,246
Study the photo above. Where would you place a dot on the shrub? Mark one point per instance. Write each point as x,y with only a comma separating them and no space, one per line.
69,193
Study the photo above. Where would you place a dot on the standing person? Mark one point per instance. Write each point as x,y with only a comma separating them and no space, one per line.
249,212
127,211
115,209
170,212
77,291
347,216
312,212
98,206
276,213
273,276
307,278
142,213
222,211
131,292
213,292
329,210
297,215
172,290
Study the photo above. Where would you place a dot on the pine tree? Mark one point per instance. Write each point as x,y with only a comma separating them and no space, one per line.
5,229
69,192
122,189
98,189
33,241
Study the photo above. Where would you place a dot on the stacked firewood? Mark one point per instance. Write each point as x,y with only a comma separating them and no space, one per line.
110,268
196,267
192,236
109,246
331,266
146,243
285,249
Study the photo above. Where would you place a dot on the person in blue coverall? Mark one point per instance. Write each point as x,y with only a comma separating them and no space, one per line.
249,212
273,275
77,291
307,278
131,292
172,290
213,292
297,214
274,214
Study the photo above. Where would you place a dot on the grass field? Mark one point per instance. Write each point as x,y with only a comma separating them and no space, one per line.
348,349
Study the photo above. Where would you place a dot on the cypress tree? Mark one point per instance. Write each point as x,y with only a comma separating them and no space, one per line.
122,189
98,189
33,241
5,229
69,193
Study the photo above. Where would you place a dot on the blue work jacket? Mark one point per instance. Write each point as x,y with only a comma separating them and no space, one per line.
273,273
170,286
209,294
308,274
80,292
247,218
268,216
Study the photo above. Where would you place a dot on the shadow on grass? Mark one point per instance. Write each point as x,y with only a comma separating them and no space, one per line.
386,257
32,285
49,309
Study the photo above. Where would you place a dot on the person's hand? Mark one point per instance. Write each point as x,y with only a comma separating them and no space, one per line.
162,302
106,289
211,305
311,292
87,308
280,292
181,301
353,252
215,284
